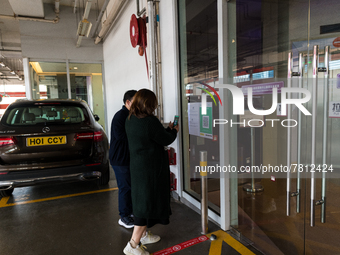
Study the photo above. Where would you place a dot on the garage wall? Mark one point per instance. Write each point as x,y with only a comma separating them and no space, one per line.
125,69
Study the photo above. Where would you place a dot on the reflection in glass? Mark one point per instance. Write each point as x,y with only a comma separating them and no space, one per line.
49,80
198,51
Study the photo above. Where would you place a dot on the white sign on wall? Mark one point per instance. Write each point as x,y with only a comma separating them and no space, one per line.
334,109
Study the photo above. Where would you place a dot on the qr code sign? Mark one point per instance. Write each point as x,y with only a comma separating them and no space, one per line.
205,121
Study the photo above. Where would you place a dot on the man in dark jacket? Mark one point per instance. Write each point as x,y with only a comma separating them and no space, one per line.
120,160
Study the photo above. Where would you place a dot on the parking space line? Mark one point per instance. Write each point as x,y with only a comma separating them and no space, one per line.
4,200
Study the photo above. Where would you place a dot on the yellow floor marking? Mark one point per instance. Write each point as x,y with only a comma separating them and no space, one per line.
216,246
3,201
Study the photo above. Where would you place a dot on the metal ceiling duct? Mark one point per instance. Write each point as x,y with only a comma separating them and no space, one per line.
117,6
99,19
84,26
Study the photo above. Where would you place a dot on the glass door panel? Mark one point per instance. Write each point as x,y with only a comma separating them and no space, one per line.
296,45
87,84
264,34
48,80
199,65
323,191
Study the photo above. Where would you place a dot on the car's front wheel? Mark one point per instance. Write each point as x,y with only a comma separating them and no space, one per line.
6,193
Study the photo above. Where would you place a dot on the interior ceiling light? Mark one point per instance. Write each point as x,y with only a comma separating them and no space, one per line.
75,67
2,64
36,66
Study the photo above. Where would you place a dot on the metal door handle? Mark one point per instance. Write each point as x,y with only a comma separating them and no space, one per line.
314,111
324,138
325,69
298,181
289,85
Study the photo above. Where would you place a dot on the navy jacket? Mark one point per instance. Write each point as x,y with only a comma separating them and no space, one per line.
119,148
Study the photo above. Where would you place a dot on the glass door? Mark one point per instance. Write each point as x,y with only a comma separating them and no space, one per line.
264,32
323,141
50,80
288,44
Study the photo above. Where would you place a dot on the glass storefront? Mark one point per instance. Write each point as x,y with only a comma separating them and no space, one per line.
199,64
271,44
49,80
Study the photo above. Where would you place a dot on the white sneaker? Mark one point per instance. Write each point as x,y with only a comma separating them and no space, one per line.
150,238
139,250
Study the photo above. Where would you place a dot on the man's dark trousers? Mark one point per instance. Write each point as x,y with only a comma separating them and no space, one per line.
124,195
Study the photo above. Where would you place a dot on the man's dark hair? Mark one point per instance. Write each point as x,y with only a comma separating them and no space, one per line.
129,95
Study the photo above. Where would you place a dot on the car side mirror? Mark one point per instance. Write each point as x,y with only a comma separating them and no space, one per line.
96,117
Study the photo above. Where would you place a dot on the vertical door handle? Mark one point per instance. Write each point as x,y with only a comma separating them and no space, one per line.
314,112
322,202
325,69
289,85
298,181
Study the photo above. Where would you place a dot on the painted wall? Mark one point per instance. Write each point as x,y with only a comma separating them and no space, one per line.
125,69
97,93
50,41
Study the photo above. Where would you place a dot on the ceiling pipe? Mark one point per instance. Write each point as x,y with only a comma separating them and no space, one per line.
140,12
56,20
84,26
11,77
159,63
56,9
3,50
75,6
117,6
152,46
99,19
87,9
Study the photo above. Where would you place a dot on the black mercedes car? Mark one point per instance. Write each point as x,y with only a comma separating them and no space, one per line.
45,141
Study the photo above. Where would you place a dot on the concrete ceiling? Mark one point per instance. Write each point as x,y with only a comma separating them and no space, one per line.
10,43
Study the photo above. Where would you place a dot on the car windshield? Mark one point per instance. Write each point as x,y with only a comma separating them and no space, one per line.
40,114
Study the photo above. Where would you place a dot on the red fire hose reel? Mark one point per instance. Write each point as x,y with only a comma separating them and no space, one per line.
138,36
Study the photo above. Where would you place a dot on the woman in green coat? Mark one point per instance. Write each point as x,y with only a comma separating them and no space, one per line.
149,167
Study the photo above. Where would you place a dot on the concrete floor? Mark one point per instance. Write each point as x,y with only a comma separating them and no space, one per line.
70,223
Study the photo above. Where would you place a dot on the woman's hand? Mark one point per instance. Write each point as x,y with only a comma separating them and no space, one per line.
171,126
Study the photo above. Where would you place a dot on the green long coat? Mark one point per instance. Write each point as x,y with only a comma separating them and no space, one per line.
149,166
